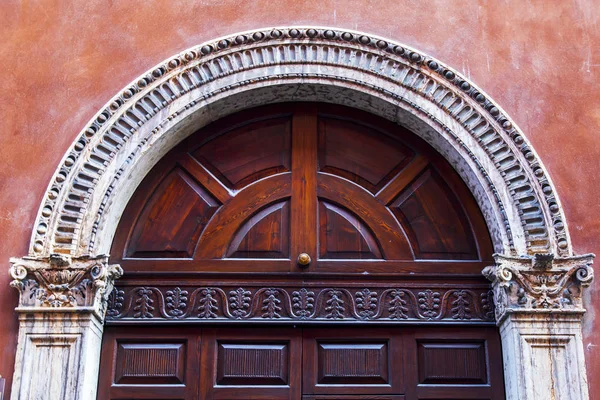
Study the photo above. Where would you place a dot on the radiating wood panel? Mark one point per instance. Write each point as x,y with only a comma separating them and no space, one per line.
173,218
452,363
264,235
434,220
248,152
385,196
387,231
218,234
150,363
359,153
252,364
353,363
343,235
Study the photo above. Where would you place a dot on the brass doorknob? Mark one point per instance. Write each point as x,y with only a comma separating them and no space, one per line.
304,260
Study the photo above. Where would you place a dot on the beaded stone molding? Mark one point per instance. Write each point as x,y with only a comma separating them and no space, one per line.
74,214
539,284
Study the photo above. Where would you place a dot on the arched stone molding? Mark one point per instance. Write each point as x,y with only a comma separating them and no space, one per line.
536,281
113,152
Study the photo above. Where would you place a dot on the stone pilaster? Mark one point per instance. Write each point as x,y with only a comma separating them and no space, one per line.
539,311
61,310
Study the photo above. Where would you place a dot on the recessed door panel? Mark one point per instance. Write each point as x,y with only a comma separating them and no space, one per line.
348,361
156,363
150,363
351,363
251,364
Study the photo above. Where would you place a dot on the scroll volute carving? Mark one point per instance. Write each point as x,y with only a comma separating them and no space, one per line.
59,281
539,284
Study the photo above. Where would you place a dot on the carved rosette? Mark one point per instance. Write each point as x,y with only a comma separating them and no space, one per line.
59,282
539,284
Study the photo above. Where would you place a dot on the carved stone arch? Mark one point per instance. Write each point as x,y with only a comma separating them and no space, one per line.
537,281
153,113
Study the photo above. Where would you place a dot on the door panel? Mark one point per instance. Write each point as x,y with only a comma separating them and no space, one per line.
433,219
213,235
346,149
160,364
454,363
309,363
357,201
343,235
353,361
173,219
251,364
250,152
265,235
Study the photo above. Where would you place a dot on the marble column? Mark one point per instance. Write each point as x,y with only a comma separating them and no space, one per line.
539,312
61,311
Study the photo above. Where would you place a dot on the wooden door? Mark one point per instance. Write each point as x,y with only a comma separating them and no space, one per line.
295,215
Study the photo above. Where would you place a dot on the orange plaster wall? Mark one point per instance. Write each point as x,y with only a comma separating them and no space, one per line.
62,60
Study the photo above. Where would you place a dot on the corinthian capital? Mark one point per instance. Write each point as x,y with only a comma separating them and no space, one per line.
539,284
62,282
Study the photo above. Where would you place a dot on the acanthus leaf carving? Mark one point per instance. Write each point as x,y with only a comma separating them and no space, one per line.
303,303
176,301
239,302
312,303
271,308
461,305
429,303
335,305
144,307
366,303
539,284
116,300
398,306
59,281
487,303
208,303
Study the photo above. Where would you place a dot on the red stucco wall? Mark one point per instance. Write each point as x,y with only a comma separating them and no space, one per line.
539,59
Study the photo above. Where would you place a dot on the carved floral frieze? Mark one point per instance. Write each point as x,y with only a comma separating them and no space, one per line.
539,284
61,282
325,304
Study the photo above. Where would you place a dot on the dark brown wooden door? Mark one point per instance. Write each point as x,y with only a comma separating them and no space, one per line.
213,235
271,363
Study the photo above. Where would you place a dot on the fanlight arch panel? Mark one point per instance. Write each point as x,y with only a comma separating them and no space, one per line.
380,193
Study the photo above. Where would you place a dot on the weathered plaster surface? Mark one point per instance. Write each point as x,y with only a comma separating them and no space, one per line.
63,62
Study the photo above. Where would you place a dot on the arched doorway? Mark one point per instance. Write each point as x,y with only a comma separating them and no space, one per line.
66,278
347,249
